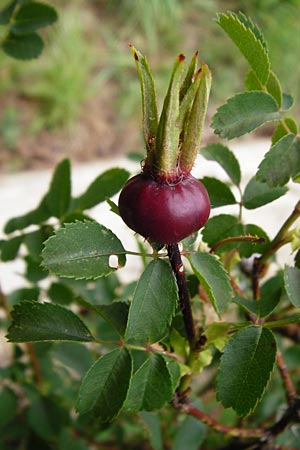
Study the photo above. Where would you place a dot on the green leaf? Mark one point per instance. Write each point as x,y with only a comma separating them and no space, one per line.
32,321
150,115
59,194
257,194
34,217
297,259
152,423
220,227
32,16
10,248
287,102
7,11
281,162
105,185
245,369
8,406
219,193
244,113
73,355
82,250
270,295
292,284
60,293
273,85
213,278
34,271
151,386
35,239
249,40
25,46
153,305
226,158
190,434
246,249
104,388
284,127
46,417
116,314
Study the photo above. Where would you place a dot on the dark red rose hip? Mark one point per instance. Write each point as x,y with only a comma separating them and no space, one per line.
164,212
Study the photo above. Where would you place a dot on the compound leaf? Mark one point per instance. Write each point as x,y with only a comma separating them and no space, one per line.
33,321
82,250
281,162
213,278
248,38
245,368
25,46
104,388
292,284
244,113
257,194
153,304
32,16
59,195
151,385
226,158
219,193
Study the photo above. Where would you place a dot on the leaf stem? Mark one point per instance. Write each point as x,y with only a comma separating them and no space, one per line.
254,239
184,298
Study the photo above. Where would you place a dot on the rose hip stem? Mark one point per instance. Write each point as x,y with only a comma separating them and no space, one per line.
184,298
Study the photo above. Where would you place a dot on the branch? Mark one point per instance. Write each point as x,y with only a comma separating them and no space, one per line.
184,298
286,379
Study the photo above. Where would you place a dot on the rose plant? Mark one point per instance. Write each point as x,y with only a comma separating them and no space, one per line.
201,351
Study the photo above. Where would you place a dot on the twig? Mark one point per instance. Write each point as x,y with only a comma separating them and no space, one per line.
184,298
185,405
286,379
243,238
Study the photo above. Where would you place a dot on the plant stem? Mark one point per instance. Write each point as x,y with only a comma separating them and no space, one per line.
187,407
229,240
279,240
184,298
286,379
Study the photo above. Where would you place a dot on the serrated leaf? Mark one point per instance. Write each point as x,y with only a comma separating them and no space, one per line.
35,217
82,250
245,369
59,194
220,227
104,388
153,305
213,278
32,16
249,40
244,113
35,239
10,248
32,321
25,46
116,314
273,85
292,284
151,386
104,186
190,434
284,127
150,115
287,102
7,11
219,193
281,162
226,158
257,194
270,295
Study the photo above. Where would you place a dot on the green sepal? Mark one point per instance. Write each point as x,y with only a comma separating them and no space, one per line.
195,123
150,115
188,80
167,141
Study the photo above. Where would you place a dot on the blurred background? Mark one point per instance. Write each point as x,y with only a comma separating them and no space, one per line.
81,97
